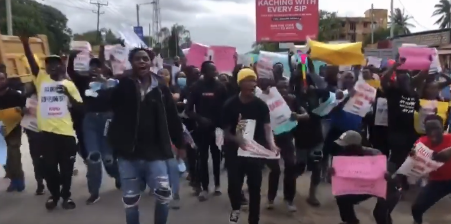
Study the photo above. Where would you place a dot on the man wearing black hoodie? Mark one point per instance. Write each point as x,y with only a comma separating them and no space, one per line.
144,125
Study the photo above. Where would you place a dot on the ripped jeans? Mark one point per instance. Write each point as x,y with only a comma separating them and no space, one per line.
156,174
98,151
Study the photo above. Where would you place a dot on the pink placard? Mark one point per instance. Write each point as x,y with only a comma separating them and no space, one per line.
360,167
223,57
417,58
359,175
347,186
196,54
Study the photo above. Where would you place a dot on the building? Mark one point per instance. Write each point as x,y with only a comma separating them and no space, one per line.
356,29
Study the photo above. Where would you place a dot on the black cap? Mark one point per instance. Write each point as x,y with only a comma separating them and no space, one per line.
53,57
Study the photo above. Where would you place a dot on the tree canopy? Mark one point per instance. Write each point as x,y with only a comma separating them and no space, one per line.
443,11
32,18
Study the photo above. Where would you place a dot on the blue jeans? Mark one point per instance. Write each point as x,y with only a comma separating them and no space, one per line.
174,176
98,150
157,175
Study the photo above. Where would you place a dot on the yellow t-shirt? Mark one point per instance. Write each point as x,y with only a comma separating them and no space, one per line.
53,108
426,106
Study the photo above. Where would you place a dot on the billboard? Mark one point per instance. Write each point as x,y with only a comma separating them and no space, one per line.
286,20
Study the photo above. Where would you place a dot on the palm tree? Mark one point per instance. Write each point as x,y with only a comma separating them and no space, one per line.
400,21
443,9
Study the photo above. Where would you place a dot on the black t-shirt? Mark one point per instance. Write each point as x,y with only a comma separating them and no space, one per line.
207,99
401,107
12,99
255,110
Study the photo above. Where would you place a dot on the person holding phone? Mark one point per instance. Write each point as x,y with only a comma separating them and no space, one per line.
56,94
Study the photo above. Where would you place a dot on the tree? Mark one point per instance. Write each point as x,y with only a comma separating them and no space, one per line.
400,21
172,40
443,9
329,26
34,18
91,37
379,34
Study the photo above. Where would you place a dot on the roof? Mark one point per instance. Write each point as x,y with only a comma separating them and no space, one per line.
423,33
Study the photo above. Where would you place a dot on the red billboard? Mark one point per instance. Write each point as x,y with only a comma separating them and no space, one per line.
286,20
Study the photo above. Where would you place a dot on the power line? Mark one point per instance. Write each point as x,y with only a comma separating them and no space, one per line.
64,4
99,5
413,18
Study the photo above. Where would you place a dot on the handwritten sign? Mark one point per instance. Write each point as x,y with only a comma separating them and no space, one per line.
359,175
421,164
81,61
219,137
279,111
119,59
252,148
80,46
196,54
264,67
417,58
381,115
223,57
29,120
52,104
360,104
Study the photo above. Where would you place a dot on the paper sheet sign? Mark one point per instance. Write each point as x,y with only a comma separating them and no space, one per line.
360,104
421,164
219,137
381,114
264,67
29,121
80,46
119,59
279,111
81,61
196,54
374,61
252,148
417,58
359,175
223,57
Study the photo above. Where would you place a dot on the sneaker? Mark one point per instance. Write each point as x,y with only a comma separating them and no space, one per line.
291,207
40,190
175,203
270,205
217,191
234,217
16,185
68,204
203,196
92,199
51,203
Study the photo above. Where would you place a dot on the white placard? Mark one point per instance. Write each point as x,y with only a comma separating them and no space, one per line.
51,103
219,137
381,115
252,148
29,120
360,104
421,164
81,61
375,61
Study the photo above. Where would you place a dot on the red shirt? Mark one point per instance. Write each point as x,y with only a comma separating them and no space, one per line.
444,172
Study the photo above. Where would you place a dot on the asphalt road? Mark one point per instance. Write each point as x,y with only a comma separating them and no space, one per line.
26,208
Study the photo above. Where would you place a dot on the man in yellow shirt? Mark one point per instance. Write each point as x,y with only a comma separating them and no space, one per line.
55,95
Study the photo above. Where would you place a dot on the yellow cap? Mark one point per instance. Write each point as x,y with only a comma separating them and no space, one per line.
246,73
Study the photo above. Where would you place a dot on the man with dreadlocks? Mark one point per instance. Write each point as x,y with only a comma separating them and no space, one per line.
144,125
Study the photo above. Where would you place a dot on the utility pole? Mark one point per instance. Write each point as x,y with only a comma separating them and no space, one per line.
9,17
137,14
98,5
392,13
372,24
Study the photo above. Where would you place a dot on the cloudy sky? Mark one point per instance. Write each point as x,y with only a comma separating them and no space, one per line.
218,22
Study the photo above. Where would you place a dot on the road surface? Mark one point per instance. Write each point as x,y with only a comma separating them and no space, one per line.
26,208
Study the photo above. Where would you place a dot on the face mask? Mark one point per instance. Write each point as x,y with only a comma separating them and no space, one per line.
181,82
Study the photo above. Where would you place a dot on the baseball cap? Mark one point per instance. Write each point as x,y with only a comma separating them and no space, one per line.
349,138
53,57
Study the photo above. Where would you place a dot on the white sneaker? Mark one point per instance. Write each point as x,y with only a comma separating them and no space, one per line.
234,217
270,205
203,196
291,207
